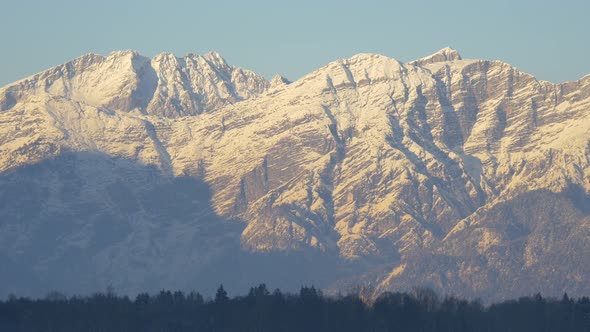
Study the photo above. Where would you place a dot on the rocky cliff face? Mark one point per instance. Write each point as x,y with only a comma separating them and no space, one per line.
464,175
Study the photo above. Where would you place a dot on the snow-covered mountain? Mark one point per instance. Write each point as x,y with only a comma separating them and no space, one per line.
128,82
467,176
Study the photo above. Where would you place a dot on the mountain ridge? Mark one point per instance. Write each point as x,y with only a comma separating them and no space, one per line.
381,165
444,51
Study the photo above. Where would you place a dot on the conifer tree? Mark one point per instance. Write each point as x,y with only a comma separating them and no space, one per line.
221,295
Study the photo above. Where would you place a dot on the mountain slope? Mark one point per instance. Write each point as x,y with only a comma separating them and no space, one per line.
403,173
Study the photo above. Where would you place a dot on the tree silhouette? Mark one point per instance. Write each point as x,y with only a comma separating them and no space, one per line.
308,310
221,295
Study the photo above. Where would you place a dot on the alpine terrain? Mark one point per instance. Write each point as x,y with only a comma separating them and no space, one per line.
466,176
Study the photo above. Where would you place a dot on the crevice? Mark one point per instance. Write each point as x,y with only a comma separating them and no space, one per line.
164,156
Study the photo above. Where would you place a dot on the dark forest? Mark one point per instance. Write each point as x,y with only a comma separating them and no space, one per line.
309,310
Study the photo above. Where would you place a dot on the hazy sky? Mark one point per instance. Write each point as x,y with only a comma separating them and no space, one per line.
548,39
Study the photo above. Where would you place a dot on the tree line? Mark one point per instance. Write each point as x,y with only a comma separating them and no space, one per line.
309,310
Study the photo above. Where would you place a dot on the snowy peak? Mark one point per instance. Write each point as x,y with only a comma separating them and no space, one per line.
279,80
215,58
445,54
367,60
126,81
359,70
199,83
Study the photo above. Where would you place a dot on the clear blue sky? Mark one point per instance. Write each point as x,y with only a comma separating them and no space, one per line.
548,39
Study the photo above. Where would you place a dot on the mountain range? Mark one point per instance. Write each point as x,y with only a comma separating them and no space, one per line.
466,176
